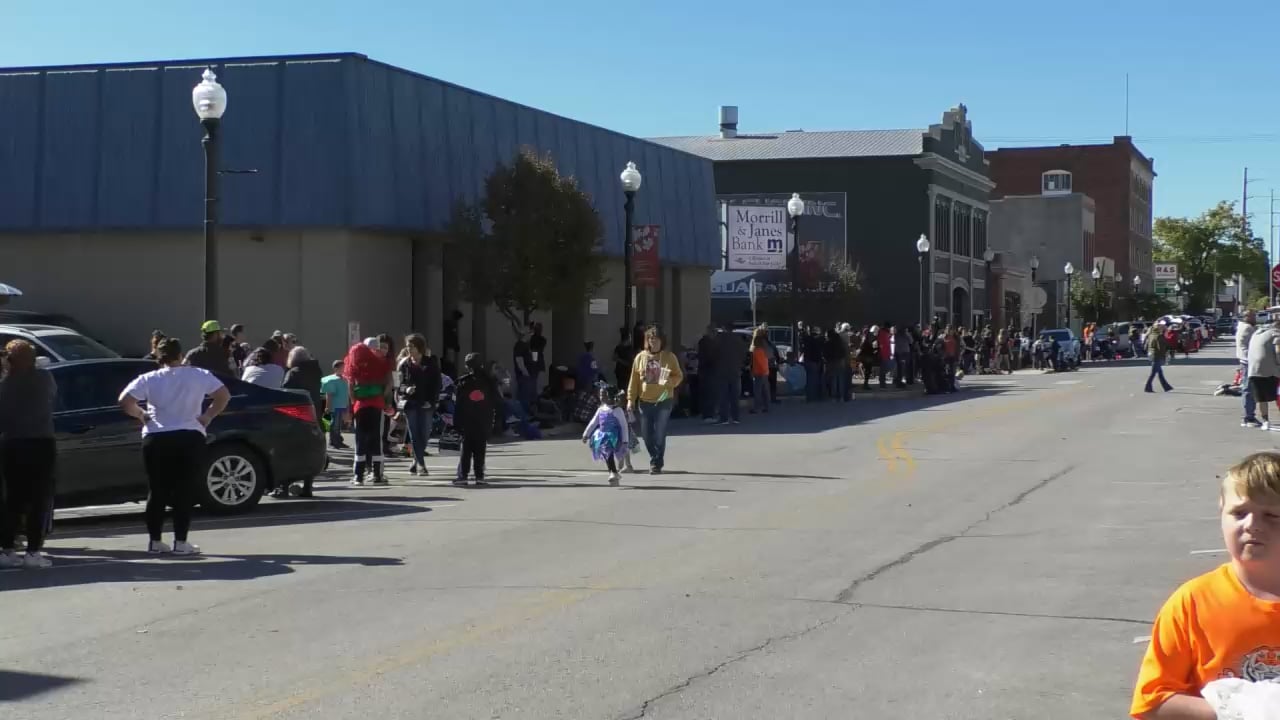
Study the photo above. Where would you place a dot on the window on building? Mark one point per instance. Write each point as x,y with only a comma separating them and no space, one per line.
979,233
942,224
1055,182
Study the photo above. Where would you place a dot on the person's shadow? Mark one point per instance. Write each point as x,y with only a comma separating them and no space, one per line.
86,566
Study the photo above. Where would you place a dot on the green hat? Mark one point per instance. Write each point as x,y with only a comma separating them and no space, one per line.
210,326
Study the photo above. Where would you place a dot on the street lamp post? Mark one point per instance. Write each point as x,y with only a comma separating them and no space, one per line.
922,249
988,257
210,102
1070,270
795,208
1035,265
631,180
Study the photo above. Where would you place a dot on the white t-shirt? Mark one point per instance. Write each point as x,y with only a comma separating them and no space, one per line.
270,375
174,397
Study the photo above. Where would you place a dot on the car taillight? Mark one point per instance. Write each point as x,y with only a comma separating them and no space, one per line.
306,413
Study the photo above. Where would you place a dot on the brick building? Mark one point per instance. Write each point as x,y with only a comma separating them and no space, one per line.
1117,176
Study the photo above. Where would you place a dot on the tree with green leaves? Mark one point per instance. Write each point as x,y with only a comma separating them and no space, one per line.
1091,301
830,296
1150,306
1217,242
531,243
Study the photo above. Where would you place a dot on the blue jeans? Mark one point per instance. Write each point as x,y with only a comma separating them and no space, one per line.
653,428
336,416
760,393
730,398
1157,369
1250,405
419,420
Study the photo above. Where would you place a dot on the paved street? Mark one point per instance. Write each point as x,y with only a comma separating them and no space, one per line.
993,554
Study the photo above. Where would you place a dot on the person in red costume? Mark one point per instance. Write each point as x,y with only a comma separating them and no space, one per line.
366,370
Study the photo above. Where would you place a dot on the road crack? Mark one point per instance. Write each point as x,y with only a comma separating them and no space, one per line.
743,655
846,596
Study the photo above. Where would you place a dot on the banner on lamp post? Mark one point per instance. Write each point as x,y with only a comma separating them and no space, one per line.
646,267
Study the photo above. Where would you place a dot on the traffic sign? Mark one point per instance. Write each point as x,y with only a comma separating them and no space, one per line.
1275,276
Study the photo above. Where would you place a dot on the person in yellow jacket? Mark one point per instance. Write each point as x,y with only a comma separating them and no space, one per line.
655,375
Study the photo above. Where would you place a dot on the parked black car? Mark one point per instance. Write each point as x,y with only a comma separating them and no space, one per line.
265,438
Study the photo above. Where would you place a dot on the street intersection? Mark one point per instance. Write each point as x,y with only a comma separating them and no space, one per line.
997,553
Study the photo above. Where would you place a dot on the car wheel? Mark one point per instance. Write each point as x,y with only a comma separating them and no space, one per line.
232,480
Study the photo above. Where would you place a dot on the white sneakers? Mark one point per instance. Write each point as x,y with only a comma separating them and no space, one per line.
614,479
1266,425
181,547
32,560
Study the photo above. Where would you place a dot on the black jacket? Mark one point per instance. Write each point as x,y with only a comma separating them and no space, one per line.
306,375
477,400
213,358
420,382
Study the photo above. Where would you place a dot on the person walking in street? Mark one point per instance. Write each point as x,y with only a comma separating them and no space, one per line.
901,356
730,351
760,399
950,357
1004,353
211,354
304,374
884,352
1158,349
366,370
608,435
337,396
28,453
1245,330
173,439
476,401
811,350
655,375
419,391
1264,369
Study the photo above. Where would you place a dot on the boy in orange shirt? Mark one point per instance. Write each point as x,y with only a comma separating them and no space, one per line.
1225,623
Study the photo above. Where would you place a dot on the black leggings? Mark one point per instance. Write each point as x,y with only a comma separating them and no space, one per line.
370,439
610,463
26,465
473,447
173,461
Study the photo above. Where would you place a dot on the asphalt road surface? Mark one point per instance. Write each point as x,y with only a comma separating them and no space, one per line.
992,554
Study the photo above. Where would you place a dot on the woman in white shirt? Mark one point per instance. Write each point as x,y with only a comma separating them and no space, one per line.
173,438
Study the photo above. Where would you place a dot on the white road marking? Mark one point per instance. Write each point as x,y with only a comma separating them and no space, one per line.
1068,382
722,507
1220,551
1140,482
1141,639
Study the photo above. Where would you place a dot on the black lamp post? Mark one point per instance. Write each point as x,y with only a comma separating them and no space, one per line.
631,180
1035,265
988,257
210,102
795,208
1070,270
922,250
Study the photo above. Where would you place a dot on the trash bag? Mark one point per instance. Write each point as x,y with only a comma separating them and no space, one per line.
1237,699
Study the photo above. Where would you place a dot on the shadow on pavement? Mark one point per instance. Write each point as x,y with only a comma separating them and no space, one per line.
87,566
16,685
285,512
799,417
500,484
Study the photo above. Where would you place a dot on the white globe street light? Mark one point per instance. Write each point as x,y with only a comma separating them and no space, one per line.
1097,274
210,101
1069,269
922,245
631,180
795,208
922,249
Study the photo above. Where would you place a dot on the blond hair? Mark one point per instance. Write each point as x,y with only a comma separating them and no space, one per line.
1257,477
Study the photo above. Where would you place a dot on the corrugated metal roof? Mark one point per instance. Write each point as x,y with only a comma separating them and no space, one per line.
118,146
800,144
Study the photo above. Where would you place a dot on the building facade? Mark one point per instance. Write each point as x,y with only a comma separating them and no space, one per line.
897,185
1117,176
1055,230
339,232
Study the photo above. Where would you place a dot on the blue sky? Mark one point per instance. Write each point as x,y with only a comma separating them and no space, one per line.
1203,91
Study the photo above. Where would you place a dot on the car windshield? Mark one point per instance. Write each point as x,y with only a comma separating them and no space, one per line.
70,346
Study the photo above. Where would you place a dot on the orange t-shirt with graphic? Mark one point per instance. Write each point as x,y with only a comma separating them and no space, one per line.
1210,628
759,363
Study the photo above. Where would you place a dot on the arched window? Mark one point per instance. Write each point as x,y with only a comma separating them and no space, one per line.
1055,182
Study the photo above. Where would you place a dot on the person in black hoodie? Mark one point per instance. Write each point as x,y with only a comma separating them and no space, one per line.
419,391
303,374
477,398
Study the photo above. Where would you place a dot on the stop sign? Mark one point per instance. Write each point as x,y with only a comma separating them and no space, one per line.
1275,276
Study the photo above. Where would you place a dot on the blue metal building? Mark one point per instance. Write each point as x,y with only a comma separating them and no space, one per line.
342,144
